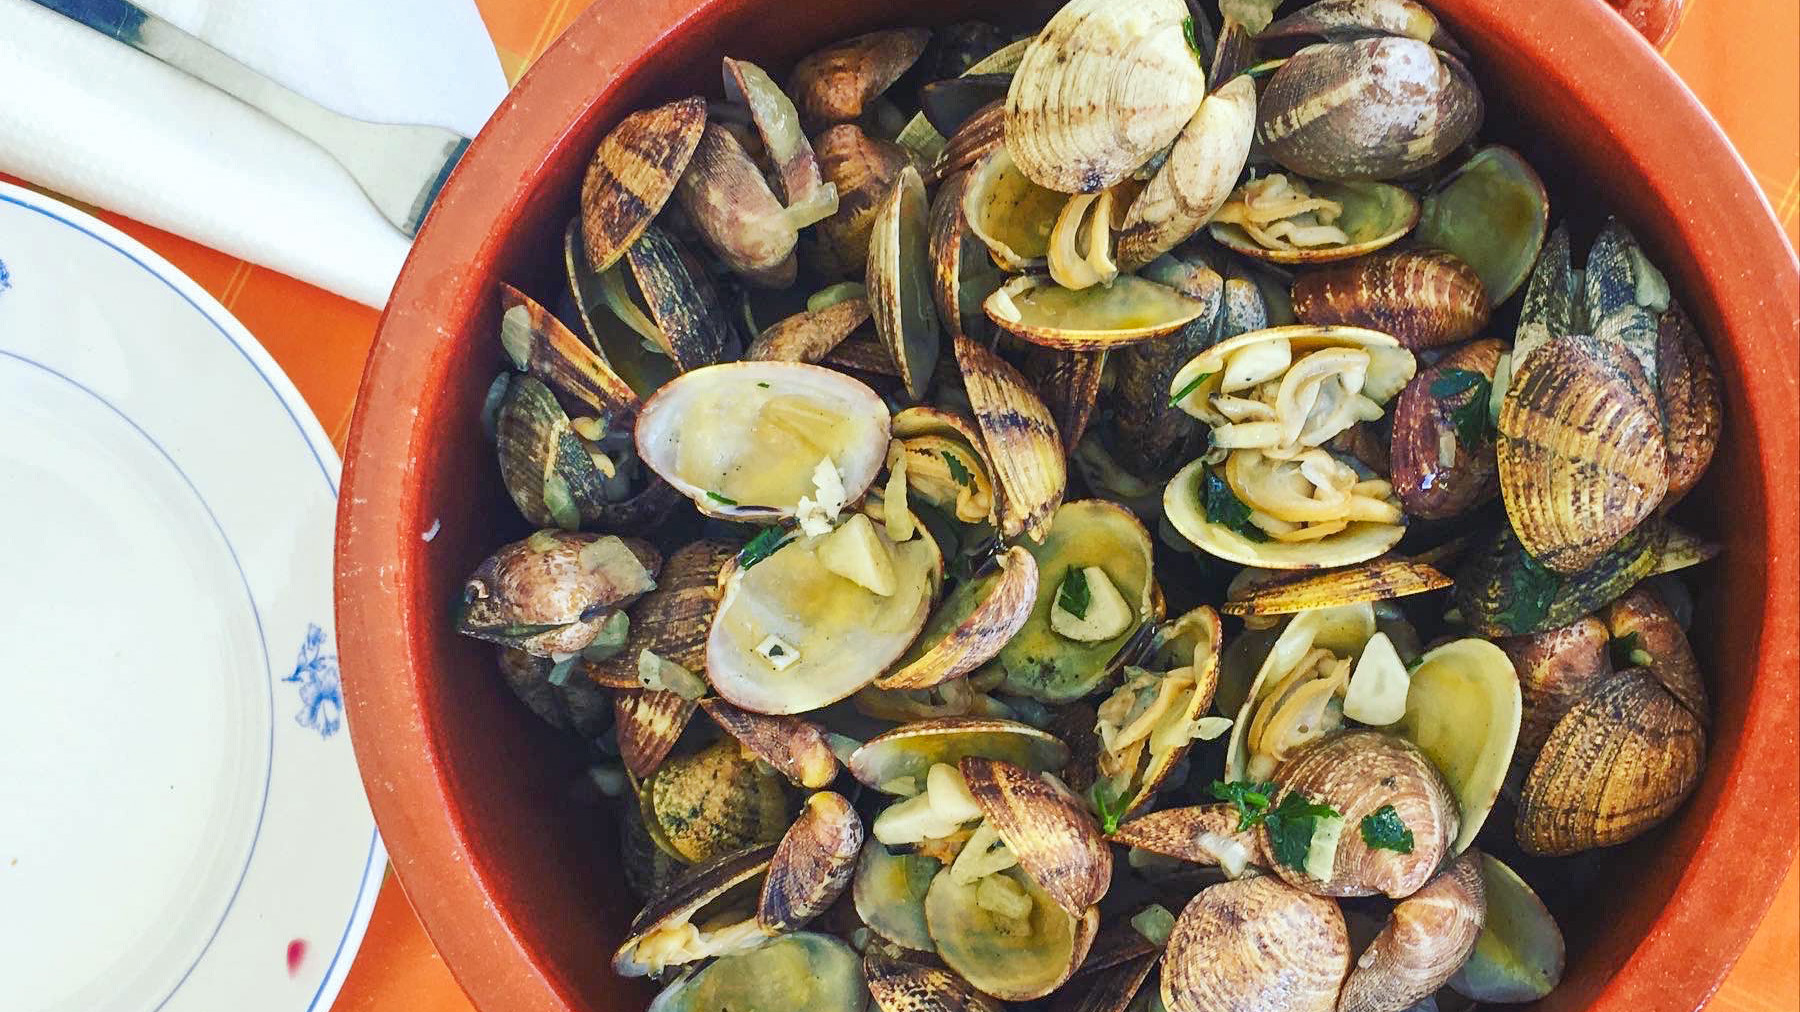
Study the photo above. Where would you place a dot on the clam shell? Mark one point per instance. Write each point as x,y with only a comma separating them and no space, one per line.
889,894
1682,549
1195,179
648,724
1621,760
1492,212
1426,298
1357,773
919,136
778,124
832,85
687,895
1582,458
731,206
617,344
541,596
1117,943
862,352
1131,310
909,987
692,327
948,103
906,753
1070,382
983,133
1554,668
632,174
1344,630
1375,580
1463,710
923,420
971,625
863,169
809,336
1622,291
1256,945
538,451
1056,842
649,869
1553,303
1375,108
1104,86
795,747
1687,381
557,357
959,263
672,620
1011,214
1342,20
1432,484
812,865
1662,644
1425,941
804,970
1374,216
1502,591
1006,966
1519,955
1112,989
575,706
734,397
1182,504
899,282
1020,438
713,802
1202,834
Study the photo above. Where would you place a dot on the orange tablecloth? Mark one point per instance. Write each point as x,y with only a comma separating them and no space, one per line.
1739,56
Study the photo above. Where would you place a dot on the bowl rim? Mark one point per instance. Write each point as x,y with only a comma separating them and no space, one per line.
1716,903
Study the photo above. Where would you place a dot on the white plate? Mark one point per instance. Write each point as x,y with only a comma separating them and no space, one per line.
182,827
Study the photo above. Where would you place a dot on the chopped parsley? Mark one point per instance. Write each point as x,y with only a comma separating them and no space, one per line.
1384,830
1251,799
1075,596
958,473
1187,28
760,383
1181,395
1290,827
1108,805
1470,415
1534,590
776,651
761,547
722,500
1224,508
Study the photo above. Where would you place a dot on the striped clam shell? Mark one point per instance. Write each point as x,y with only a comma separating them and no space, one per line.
1021,438
632,174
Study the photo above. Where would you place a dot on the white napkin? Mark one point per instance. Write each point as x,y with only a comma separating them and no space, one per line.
93,119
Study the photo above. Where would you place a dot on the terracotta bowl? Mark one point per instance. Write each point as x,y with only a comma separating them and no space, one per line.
515,885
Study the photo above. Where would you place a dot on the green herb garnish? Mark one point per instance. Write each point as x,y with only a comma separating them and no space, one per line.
1251,799
1471,415
958,473
1181,395
1108,805
760,383
1290,827
1074,597
1384,829
1533,592
722,500
761,547
1224,508
1193,41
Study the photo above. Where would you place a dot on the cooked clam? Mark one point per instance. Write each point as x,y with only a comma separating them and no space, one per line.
1018,945
1203,834
708,911
1070,382
1687,381
1289,220
962,272
642,368
662,292
795,747
633,173
897,761
554,476
539,344
671,621
1020,437
799,971
1241,520
1256,945
1426,298
889,894
1196,177
1375,580
1441,454
1554,668
909,987
1426,940
983,133
713,802
1650,637
778,126
647,724
1128,311
835,84
1300,680
553,592
1011,214
1094,595
1104,86
1493,213
1519,955
971,625
1463,710
1148,724
1501,590
1343,20
922,138
812,865
863,169
810,335
751,440
1053,839
899,281
729,202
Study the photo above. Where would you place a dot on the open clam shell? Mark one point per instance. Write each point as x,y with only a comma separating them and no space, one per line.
730,204
1042,663
889,894
1463,710
1256,945
795,747
541,345
1492,212
842,635
1370,215
550,593
1501,590
665,292
1621,760
1130,310
1070,383
910,987
799,971
971,625
1057,843
811,335
996,959
924,140
671,620
1185,504
1169,725
1519,955
1343,20
1375,580
546,468
648,723
1020,438
962,273
812,865
1373,108
1424,942
633,173
897,761
834,84
925,427
617,343
983,133
1343,630
713,802
778,125
1435,471
1011,214
899,282
744,440
1104,86
714,887
1201,834
1196,177
1426,298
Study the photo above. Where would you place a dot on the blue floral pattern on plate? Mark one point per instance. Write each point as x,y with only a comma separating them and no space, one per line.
316,672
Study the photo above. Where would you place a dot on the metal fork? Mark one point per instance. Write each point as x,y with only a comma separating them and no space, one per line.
399,167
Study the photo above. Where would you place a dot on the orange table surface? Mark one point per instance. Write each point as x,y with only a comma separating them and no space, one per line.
1740,56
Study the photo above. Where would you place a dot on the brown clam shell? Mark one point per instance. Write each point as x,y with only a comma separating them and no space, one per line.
1425,941
1687,381
1057,843
688,894
713,802
1376,108
1555,668
863,352
1681,549
1621,760
1426,298
957,258
909,987
1357,773
633,173
898,278
809,336
980,134
863,169
574,706
1112,989
681,300
1256,945
812,865
556,356
731,206
542,581
649,870
1293,591
1581,451
1020,437
1642,623
1189,834
1069,382
832,85
795,747
980,634
1196,178
673,620
1338,20
648,723
1425,424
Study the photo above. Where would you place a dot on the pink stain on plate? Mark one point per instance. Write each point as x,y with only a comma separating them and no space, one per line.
296,953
